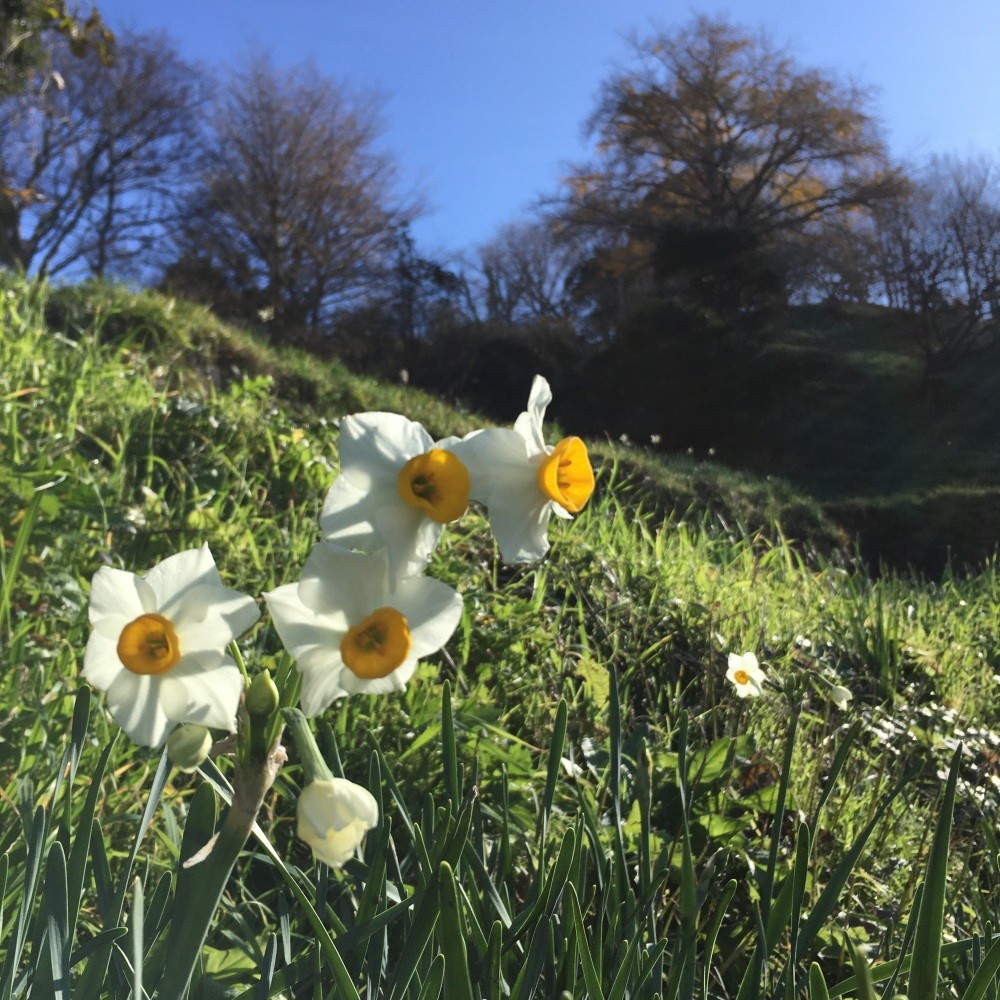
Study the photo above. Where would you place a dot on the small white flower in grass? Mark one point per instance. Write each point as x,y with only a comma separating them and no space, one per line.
349,633
396,490
522,481
333,818
840,696
745,673
158,645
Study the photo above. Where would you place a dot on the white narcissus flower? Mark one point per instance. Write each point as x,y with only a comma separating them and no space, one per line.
745,673
522,481
396,490
349,633
158,646
840,696
333,817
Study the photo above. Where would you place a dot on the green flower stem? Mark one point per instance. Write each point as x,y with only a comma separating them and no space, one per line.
200,886
237,654
313,765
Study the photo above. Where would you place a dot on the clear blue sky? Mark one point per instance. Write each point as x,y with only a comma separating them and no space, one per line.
485,101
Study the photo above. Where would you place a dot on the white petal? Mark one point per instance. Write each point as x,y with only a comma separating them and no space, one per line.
101,665
203,691
179,574
350,683
529,424
749,690
112,626
323,673
494,457
348,515
134,701
375,446
432,610
216,614
410,539
519,520
335,581
298,625
115,592
313,642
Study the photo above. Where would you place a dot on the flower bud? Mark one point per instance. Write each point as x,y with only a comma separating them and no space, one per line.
262,695
188,746
333,818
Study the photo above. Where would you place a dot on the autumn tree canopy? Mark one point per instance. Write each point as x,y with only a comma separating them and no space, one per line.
27,25
717,138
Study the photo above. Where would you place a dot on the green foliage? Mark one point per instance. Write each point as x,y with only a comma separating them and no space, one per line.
572,799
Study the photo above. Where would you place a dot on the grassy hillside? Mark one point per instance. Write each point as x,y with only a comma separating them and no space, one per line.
856,417
588,688
909,466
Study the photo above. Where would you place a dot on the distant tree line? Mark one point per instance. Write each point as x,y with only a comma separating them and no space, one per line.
727,182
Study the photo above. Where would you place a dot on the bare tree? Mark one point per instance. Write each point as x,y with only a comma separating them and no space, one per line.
90,169
524,273
295,210
938,255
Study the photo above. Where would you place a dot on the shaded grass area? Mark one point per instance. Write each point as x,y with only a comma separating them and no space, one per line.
143,440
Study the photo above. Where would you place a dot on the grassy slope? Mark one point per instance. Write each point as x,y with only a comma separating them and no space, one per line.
132,406
910,467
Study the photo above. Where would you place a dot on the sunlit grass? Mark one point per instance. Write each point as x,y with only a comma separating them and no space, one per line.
136,457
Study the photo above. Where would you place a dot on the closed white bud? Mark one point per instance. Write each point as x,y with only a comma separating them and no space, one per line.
334,816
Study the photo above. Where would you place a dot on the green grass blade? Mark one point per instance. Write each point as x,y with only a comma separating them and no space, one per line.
904,946
496,987
449,754
12,565
621,983
985,974
58,921
98,953
136,932
32,869
885,970
267,968
457,982
555,762
817,984
415,943
594,991
713,931
4,872
925,967
79,852
862,972
531,976
830,896
431,988
152,802
839,760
